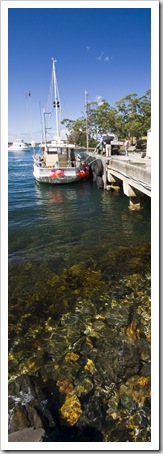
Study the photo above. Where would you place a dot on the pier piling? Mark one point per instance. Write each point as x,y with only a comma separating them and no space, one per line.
132,173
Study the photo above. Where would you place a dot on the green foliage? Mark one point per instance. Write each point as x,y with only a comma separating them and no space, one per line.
77,130
131,117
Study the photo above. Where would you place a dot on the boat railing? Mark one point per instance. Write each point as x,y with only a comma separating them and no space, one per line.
39,161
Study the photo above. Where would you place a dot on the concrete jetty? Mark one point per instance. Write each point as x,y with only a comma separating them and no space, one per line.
132,173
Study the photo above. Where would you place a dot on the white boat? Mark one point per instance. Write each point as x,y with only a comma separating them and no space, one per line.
57,163
19,145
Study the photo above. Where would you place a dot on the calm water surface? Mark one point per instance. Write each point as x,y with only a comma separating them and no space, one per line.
76,253
58,222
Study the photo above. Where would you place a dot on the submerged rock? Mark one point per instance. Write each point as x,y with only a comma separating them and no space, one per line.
136,389
90,366
83,387
28,406
71,410
27,435
117,360
71,356
65,387
89,333
93,413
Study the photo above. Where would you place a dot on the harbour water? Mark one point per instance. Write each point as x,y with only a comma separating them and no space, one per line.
79,298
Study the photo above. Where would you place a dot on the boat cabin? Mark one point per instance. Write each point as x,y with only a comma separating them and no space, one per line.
58,155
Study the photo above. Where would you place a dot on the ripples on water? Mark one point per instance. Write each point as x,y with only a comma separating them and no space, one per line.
76,251
76,215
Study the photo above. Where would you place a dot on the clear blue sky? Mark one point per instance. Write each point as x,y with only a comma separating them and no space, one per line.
105,51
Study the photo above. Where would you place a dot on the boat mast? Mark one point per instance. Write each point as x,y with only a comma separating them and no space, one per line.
86,107
42,131
46,128
56,102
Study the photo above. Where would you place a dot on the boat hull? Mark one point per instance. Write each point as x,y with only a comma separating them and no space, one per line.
18,149
56,176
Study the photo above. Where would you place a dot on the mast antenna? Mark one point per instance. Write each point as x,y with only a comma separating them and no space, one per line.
56,102
86,108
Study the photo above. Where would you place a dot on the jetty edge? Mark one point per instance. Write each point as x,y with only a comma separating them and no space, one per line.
131,173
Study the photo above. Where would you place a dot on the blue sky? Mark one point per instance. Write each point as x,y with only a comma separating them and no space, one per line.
106,51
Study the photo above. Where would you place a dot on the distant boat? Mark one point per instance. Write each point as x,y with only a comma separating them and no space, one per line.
57,162
19,145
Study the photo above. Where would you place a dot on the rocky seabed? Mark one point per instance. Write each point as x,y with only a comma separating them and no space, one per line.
83,373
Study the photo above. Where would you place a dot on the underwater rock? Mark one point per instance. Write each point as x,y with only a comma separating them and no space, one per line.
117,360
112,404
132,332
121,435
71,410
32,364
24,416
83,387
145,353
68,369
93,413
85,307
135,390
19,419
127,402
65,387
28,406
27,435
89,342
89,333
90,366
118,314
98,325
69,319
71,356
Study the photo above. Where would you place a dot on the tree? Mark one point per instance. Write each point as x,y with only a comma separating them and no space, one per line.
134,114
128,108
145,111
77,130
101,117
130,118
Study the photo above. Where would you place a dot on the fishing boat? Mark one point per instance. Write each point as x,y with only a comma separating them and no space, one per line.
19,145
57,162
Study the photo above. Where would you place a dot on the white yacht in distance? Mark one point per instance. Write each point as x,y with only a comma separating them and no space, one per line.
19,145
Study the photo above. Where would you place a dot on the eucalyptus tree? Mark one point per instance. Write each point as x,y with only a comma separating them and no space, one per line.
101,117
129,118
145,111
76,130
128,115
133,115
